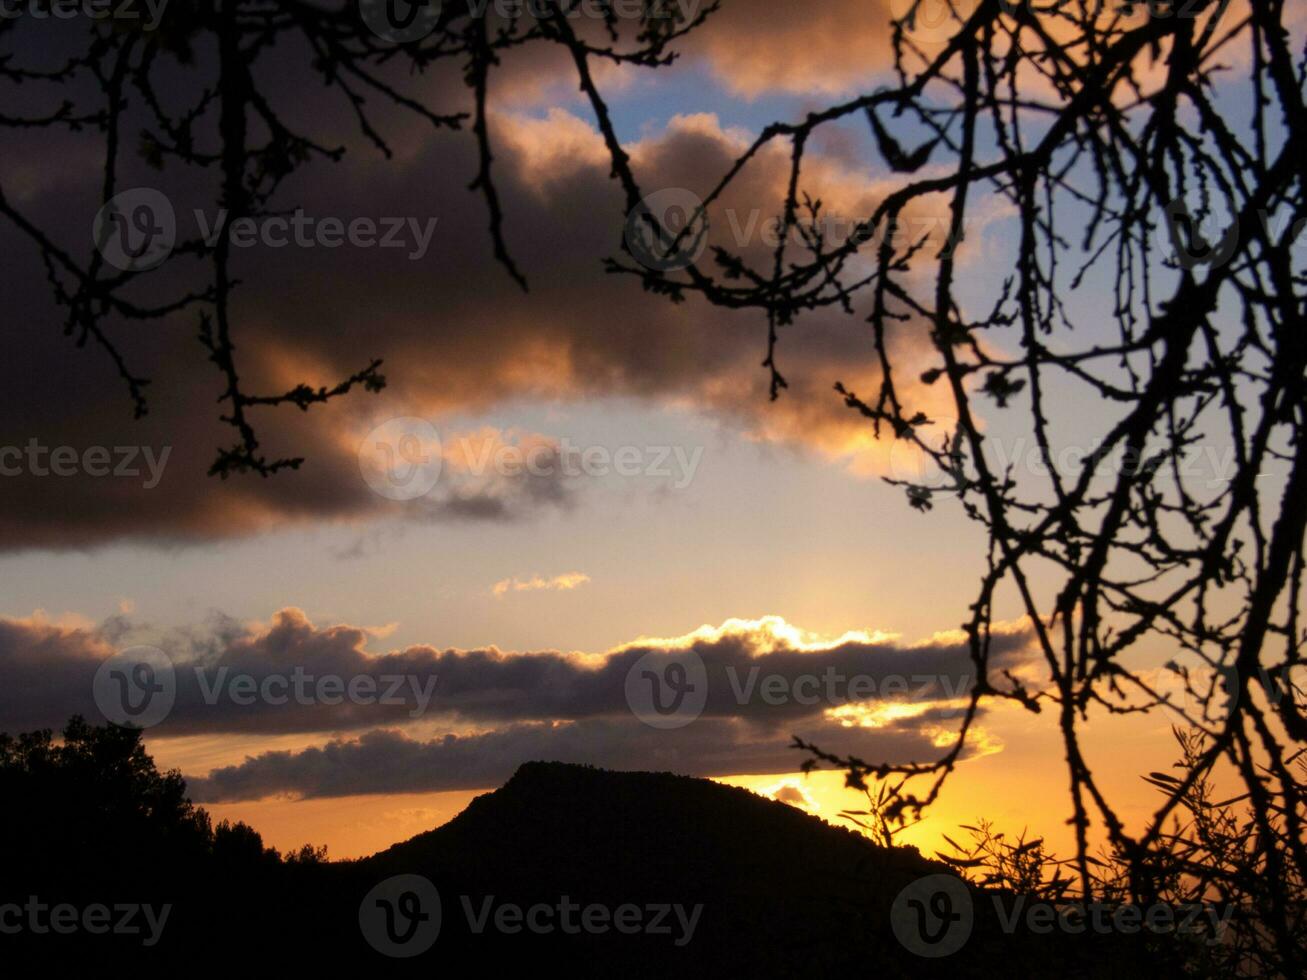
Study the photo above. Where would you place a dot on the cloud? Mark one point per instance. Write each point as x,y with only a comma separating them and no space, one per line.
466,718
291,676
389,761
795,795
815,49
559,583
458,340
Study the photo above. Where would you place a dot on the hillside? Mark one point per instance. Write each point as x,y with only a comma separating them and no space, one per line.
628,874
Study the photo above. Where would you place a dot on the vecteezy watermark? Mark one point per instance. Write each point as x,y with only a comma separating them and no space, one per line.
304,689
834,688
148,12
36,459
1213,238
754,226
403,458
670,919
1190,248
1207,465
1206,695
136,230
400,21
136,687
406,21
308,231
667,690
1075,918
64,919
668,230
401,917
936,21
564,457
934,916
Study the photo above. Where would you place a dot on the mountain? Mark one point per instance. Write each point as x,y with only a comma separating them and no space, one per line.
780,890
780,893
105,865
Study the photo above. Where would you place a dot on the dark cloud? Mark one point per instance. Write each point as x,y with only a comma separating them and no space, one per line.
457,336
388,761
234,679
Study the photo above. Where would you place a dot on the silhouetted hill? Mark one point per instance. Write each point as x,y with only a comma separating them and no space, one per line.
596,873
559,822
782,893
777,886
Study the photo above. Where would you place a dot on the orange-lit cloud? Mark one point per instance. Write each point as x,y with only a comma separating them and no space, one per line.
828,48
457,339
559,583
484,711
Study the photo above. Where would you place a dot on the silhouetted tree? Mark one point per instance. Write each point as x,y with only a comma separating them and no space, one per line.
1214,856
90,808
86,819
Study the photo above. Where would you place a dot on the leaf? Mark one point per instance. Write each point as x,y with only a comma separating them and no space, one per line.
960,862
1162,777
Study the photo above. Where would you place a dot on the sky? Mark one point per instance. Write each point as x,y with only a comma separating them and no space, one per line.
751,532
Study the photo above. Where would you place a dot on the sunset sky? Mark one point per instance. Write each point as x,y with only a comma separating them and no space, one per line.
748,530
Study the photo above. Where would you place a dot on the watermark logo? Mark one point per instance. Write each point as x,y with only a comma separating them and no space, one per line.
400,917
1202,695
1197,465
667,691
931,21
400,21
404,459
1212,237
401,459
1190,246
933,916
1209,694
667,231
136,229
136,687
